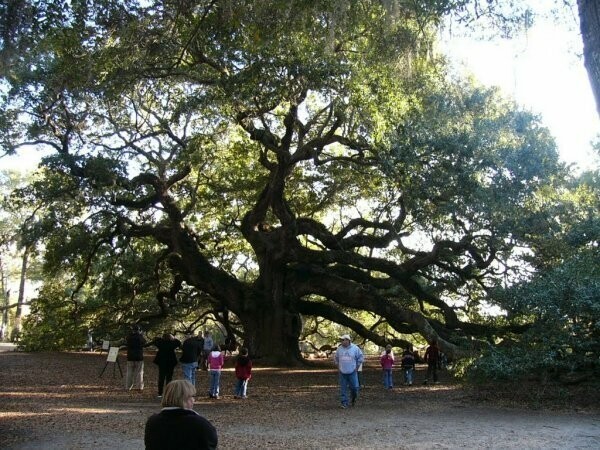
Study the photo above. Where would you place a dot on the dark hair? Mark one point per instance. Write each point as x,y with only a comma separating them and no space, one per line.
243,351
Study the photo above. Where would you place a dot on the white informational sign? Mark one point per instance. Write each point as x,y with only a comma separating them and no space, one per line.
105,345
113,352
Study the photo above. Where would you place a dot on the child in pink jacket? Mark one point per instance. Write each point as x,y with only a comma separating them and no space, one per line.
216,359
387,363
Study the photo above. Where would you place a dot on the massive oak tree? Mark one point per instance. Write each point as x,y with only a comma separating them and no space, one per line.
274,160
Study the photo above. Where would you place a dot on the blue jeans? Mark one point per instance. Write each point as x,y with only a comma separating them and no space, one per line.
240,388
408,374
189,371
348,381
215,381
387,378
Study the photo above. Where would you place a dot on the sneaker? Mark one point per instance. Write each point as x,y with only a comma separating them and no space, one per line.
159,396
344,406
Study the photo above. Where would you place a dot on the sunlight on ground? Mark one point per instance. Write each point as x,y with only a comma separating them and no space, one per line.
55,411
293,370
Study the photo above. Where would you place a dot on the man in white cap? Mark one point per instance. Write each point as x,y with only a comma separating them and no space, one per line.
348,357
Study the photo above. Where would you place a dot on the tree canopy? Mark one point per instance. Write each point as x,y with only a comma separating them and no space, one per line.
269,162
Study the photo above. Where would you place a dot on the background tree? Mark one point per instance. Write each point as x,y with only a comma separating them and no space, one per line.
560,299
17,253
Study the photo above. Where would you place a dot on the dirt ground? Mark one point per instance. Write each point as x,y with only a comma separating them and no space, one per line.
58,401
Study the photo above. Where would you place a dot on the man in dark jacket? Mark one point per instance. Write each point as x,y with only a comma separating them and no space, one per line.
165,359
432,355
191,353
135,359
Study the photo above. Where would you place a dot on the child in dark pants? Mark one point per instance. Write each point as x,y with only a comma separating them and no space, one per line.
243,373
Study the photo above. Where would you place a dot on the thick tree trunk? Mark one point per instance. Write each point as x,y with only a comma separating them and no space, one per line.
272,336
589,21
272,332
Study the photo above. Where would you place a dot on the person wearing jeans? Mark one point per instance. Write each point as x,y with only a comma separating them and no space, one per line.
191,353
216,359
387,363
408,366
348,357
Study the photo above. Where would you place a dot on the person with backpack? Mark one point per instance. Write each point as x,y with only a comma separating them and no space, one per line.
243,373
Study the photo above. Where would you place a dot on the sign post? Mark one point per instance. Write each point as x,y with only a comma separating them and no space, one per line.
113,357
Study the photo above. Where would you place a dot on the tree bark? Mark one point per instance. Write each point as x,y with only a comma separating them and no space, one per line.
16,331
272,336
589,22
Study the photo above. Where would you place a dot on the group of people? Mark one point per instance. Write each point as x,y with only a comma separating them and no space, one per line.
407,364
196,352
349,359
177,425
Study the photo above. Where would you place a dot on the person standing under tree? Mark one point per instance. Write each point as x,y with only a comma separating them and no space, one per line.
348,357
216,359
408,366
432,355
135,359
243,373
165,359
387,364
190,355
206,349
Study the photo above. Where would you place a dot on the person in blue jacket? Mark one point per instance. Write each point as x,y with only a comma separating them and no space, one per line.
348,357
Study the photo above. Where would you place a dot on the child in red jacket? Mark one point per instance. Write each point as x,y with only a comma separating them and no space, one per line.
243,373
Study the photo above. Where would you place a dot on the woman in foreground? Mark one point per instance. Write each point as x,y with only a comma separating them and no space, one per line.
178,426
